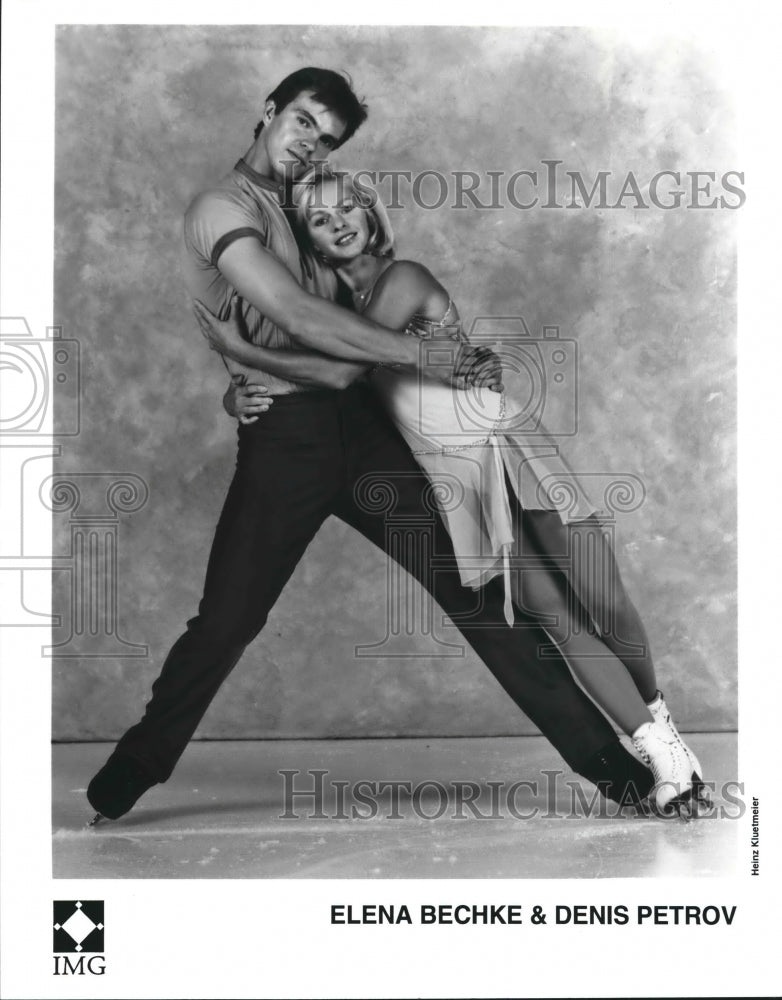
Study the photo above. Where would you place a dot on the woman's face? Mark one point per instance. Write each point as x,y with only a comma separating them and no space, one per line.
336,225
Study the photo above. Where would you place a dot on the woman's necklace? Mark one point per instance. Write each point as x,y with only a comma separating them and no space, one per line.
361,296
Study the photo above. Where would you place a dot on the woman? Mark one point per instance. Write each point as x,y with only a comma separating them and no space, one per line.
472,445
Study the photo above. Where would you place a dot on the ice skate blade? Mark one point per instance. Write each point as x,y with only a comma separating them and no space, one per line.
702,799
701,808
684,809
683,806
96,819
694,802
702,802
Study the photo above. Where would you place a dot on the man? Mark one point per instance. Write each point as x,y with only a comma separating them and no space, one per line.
305,460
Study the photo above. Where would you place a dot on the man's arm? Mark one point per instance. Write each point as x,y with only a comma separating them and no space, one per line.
310,321
316,323
228,337
305,367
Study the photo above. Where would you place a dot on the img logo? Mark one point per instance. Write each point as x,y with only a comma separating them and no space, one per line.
78,928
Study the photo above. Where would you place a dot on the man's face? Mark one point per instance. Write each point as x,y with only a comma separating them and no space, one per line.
299,135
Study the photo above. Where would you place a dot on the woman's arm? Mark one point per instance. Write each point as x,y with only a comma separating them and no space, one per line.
407,290
305,367
404,290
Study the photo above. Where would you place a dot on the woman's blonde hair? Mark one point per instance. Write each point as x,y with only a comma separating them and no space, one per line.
305,199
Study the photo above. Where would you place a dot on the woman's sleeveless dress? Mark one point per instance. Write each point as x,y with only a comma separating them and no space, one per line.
470,445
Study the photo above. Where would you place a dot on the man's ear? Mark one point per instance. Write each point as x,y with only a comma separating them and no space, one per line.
268,112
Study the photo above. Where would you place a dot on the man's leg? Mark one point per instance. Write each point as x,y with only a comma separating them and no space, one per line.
288,469
543,688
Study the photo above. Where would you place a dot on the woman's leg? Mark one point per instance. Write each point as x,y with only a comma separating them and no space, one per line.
570,580
544,592
584,554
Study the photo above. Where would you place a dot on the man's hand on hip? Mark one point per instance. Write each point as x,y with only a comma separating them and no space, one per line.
246,402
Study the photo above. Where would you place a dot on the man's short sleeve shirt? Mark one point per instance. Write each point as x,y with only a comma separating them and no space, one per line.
245,204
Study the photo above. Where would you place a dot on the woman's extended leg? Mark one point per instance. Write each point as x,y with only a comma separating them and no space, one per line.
583,553
615,666
543,591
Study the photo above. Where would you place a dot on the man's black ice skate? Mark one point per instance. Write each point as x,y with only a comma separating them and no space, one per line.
117,787
618,775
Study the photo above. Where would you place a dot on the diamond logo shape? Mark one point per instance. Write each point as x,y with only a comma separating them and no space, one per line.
78,925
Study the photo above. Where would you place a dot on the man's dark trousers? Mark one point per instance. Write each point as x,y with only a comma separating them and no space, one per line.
298,464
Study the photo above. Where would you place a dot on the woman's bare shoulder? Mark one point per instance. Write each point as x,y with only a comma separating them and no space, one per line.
413,275
415,282
404,290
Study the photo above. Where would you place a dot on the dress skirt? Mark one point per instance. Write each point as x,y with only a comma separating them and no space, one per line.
472,444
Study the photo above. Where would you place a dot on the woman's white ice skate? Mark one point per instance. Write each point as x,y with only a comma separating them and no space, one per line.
674,778
661,713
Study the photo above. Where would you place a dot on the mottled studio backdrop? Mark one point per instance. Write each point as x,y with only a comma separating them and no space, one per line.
148,116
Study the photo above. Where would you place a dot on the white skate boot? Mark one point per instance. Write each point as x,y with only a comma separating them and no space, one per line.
673,776
661,714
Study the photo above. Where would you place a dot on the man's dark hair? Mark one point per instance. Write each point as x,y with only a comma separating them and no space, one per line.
334,90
